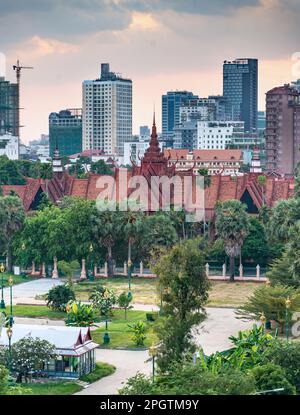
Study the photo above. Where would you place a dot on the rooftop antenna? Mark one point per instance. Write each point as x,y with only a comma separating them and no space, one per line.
18,69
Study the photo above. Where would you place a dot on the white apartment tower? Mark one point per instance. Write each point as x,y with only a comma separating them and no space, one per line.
107,112
217,135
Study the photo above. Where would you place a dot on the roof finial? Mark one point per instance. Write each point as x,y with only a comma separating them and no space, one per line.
153,114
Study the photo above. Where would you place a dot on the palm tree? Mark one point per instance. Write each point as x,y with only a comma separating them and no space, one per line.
106,228
12,217
232,225
132,221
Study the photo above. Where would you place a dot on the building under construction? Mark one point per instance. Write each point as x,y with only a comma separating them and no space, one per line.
9,108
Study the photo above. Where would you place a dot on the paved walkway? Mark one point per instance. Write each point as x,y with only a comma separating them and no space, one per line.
27,291
127,364
212,335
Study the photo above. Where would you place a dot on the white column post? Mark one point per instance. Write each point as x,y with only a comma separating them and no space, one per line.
95,270
55,270
258,271
43,270
207,269
241,271
105,269
125,268
83,270
141,268
224,271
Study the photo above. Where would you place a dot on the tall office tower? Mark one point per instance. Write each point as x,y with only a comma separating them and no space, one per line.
283,129
107,112
65,132
171,103
9,111
240,87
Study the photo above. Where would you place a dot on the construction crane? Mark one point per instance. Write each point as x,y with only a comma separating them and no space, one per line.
18,69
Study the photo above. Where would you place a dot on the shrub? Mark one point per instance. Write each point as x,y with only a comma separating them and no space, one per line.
187,379
271,301
287,356
268,377
103,299
79,315
124,302
139,333
59,296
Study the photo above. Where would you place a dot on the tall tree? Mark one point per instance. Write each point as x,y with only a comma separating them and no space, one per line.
232,225
12,218
106,226
183,287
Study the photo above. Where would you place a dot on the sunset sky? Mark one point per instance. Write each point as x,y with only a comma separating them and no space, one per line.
160,44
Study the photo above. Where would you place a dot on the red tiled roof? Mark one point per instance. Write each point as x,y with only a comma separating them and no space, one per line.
204,155
221,188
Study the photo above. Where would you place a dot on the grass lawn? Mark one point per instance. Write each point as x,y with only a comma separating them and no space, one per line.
222,294
57,387
66,387
102,370
17,279
119,332
33,311
228,294
143,289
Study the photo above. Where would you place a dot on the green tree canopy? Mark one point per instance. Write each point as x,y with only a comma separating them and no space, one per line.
183,287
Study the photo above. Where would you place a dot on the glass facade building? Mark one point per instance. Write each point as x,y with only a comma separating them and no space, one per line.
171,103
65,132
9,112
240,78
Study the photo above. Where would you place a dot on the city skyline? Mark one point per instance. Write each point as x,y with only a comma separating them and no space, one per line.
69,52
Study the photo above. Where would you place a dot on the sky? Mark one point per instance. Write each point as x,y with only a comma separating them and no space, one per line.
160,44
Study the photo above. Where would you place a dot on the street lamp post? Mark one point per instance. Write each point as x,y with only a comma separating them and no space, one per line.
287,307
106,338
268,322
129,279
153,353
91,274
11,318
2,269
9,335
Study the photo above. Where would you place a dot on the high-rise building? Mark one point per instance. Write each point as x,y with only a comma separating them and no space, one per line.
185,135
9,111
65,132
240,78
171,103
217,135
107,112
283,129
